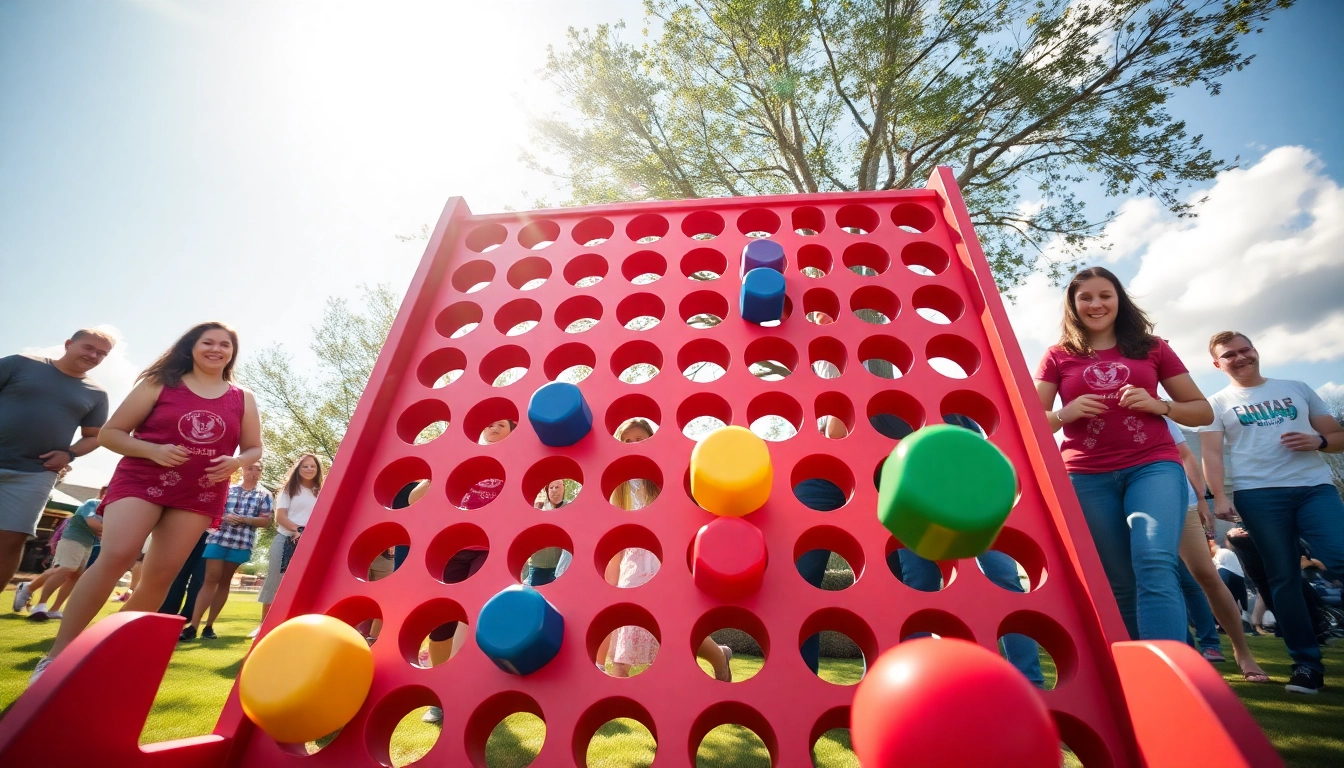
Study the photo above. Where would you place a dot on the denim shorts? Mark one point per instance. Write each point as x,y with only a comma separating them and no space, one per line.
23,496
227,554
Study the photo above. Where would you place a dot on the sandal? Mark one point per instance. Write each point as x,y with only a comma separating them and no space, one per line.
1256,677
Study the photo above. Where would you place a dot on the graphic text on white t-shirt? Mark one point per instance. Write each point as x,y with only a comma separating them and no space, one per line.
1266,414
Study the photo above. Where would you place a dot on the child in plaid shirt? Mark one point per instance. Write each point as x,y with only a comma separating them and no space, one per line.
247,508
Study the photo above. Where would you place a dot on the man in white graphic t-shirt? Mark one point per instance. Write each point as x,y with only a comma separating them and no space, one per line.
1275,430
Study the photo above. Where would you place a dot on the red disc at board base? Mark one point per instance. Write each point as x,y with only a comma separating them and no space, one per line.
949,702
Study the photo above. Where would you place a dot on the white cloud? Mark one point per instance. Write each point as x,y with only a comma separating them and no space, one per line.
1265,256
1331,391
117,375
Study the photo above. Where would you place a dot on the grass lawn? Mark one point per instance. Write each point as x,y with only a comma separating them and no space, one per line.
1307,730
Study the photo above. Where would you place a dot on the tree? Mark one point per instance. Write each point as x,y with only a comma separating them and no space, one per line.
301,414
1026,99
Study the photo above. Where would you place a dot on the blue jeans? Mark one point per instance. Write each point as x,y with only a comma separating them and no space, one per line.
1199,612
812,567
181,597
1276,518
538,577
1136,516
918,573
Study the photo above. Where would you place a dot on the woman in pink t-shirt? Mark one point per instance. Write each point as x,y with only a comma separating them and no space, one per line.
1117,449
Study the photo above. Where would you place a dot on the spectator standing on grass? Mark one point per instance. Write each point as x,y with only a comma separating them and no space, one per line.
293,507
542,567
247,508
43,402
1120,456
1230,571
177,430
80,534
1206,596
466,562
1276,431
181,599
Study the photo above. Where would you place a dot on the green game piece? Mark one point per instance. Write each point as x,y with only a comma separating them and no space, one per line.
946,492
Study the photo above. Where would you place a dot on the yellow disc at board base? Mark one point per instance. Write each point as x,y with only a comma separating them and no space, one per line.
306,678
731,472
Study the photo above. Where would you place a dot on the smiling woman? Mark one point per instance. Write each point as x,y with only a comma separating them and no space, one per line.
1117,448
178,431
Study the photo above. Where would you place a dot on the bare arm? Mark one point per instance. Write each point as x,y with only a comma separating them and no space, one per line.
1188,405
1046,392
95,524
418,492
1328,428
1082,407
249,444
835,428
282,520
1195,475
116,433
87,442
1211,447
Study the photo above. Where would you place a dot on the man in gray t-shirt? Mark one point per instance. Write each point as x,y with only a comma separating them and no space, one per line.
1276,431
42,403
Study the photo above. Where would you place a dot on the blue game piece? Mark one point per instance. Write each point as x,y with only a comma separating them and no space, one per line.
762,296
559,415
519,630
762,253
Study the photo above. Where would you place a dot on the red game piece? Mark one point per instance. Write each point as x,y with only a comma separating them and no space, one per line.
729,557
947,702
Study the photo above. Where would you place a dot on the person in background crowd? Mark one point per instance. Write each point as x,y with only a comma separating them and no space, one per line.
1276,430
1204,590
1119,454
1230,571
293,507
42,403
177,431
541,567
466,562
247,508
181,597
631,645
80,534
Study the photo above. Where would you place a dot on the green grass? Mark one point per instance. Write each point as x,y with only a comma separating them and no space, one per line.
1307,730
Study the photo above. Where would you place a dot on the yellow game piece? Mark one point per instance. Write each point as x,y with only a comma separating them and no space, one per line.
731,472
306,678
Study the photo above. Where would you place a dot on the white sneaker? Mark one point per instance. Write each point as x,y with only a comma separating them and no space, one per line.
433,715
55,615
254,633
41,667
22,596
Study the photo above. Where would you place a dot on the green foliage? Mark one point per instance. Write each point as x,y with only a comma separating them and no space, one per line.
1026,99
301,414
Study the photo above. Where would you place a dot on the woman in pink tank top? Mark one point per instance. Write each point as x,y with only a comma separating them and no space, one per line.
178,431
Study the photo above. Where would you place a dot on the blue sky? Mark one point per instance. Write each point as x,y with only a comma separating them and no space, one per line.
166,162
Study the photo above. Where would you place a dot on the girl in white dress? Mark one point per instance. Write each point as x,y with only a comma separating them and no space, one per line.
635,567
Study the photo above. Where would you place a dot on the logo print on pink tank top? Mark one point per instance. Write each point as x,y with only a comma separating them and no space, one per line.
201,426
1106,375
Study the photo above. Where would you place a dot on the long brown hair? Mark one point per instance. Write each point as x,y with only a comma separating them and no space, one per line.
1133,330
293,482
624,495
177,362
